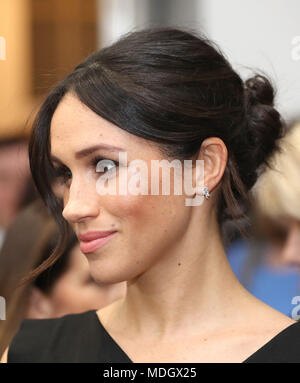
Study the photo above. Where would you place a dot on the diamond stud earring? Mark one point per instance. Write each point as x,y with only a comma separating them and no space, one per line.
203,190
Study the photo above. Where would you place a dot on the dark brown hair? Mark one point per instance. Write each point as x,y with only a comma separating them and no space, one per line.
175,88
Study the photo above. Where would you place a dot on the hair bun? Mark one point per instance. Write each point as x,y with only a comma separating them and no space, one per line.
259,91
264,125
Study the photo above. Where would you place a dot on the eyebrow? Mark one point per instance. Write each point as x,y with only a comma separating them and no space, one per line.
87,151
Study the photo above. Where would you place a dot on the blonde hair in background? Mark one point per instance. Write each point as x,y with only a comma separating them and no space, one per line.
277,191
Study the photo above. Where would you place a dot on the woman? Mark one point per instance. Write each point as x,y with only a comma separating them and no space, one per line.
157,94
65,288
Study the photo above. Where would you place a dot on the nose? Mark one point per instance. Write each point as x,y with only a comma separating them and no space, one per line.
291,250
80,204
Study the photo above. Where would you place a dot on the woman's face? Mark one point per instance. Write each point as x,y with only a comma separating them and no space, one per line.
146,227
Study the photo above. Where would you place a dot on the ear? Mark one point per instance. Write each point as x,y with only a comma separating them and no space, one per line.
39,305
214,153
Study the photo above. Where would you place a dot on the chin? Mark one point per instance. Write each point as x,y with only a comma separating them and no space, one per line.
109,272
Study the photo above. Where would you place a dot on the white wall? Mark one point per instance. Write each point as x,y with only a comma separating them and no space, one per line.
116,17
259,33
253,33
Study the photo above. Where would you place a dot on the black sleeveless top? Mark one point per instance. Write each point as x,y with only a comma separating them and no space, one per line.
81,338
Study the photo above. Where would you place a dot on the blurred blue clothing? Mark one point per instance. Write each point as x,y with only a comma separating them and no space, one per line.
275,287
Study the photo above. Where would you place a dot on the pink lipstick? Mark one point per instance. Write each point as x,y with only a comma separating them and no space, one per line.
93,240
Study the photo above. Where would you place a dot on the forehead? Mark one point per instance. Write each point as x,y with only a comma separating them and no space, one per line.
74,127
74,123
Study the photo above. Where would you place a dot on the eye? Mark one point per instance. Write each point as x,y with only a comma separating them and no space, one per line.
104,164
62,174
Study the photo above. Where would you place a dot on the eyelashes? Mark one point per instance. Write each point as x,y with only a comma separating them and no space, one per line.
63,175
107,163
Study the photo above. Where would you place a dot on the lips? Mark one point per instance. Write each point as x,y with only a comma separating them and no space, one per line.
93,240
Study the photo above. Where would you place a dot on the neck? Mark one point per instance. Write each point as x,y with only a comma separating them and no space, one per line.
192,284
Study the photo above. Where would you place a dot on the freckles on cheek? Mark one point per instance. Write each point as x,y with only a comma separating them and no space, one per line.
132,207
139,212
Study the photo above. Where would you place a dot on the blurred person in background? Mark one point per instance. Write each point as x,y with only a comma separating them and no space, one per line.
66,287
278,202
16,186
269,264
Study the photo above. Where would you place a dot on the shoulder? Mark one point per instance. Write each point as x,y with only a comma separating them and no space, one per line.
61,339
282,347
270,335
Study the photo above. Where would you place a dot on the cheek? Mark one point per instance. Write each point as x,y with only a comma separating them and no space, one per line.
148,221
135,210
154,210
149,224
